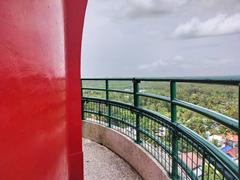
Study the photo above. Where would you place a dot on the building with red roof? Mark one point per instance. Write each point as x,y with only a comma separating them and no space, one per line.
233,153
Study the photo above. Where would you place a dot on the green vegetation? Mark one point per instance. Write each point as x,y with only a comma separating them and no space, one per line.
219,98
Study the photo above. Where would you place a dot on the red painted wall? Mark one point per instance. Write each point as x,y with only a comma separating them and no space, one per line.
40,127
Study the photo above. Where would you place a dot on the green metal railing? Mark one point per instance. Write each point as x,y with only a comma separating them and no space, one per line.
183,153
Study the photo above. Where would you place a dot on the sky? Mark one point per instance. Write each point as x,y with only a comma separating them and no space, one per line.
161,38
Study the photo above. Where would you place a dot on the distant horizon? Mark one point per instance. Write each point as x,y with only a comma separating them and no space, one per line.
172,77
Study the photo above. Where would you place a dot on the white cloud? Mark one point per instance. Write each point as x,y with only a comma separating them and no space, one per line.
153,65
219,25
180,62
217,3
162,63
178,59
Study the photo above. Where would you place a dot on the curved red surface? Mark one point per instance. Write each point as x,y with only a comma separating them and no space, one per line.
40,127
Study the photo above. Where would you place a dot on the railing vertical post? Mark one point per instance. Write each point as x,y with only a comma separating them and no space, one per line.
239,128
109,107
82,108
136,105
174,136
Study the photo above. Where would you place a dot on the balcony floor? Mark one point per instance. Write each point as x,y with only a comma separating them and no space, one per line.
101,163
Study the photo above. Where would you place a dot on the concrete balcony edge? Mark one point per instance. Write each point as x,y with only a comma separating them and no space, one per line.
123,146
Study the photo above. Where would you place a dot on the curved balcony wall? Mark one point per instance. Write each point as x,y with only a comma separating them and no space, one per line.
131,152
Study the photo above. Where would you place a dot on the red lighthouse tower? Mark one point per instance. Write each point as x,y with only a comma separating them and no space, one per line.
40,126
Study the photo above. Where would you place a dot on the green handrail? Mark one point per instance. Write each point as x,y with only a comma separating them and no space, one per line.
213,160
229,80
225,120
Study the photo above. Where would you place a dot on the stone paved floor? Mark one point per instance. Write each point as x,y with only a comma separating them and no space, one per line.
102,164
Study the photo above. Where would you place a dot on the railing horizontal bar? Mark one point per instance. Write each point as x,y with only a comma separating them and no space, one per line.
114,103
120,91
110,90
90,99
228,163
148,113
94,112
110,79
156,116
228,80
162,98
94,89
223,81
220,118
114,118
